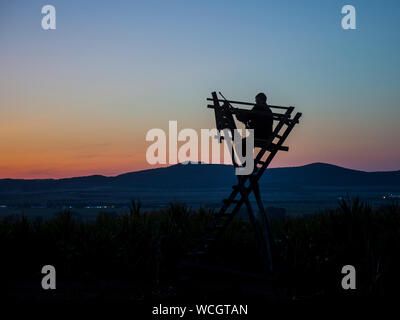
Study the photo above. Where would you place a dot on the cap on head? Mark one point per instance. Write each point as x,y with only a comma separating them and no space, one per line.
261,98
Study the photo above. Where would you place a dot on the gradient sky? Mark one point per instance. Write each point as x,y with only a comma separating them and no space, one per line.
79,100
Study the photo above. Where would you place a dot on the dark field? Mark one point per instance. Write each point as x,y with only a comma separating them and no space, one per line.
87,204
135,256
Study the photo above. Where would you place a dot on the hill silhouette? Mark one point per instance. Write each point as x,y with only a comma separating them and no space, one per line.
210,176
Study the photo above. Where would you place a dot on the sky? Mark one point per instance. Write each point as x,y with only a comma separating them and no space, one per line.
80,99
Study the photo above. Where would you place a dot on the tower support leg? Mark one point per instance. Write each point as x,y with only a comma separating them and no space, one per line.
267,233
264,245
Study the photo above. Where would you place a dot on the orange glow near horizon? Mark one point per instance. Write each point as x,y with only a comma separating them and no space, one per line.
37,155
53,143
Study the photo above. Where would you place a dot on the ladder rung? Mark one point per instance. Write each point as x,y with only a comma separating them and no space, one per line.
273,146
283,148
270,146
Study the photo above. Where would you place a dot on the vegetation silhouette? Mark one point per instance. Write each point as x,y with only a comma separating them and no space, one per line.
134,256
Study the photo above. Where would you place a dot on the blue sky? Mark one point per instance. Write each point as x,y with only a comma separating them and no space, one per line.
114,69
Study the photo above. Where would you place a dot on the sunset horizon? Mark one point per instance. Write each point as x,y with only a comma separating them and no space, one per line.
82,101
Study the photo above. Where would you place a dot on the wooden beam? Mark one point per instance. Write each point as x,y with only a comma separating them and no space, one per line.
248,103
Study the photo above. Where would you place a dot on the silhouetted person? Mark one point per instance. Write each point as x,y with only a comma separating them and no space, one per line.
261,123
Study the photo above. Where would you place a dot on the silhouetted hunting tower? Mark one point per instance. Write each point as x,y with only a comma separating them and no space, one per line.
247,184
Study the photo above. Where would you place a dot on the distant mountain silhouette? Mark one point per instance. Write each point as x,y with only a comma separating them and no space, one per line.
209,175
323,174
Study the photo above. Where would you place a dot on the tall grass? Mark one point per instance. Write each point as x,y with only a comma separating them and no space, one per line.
314,249
142,248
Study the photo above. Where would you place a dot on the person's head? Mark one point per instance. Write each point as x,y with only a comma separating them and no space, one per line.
261,98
